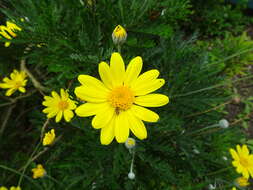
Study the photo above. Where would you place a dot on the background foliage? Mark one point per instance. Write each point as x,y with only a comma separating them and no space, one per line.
67,38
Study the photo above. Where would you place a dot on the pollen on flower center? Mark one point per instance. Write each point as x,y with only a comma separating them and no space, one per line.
121,97
245,162
62,105
18,84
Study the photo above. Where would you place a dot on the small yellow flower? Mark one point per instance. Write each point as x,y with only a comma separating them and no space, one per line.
59,106
49,138
38,172
242,182
17,81
119,35
243,161
233,188
3,188
15,188
8,31
119,101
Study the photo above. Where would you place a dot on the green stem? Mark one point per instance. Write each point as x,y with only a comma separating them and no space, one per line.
210,87
203,129
17,172
119,48
56,181
28,163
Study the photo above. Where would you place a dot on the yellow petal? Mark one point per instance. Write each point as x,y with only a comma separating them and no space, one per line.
133,70
145,78
68,115
58,116
92,82
144,114
117,69
121,130
90,94
7,44
234,154
103,117
10,92
89,109
148,87
245,150
245,173
22,89
136,126
5,85
152,100
55,95
107,133
105,75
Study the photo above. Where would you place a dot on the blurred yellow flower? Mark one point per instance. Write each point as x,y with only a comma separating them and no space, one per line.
3,188
38,172
15,188
118,101
242,182
8,32
49,138
233,188
243,161
17,81
59,106
119,35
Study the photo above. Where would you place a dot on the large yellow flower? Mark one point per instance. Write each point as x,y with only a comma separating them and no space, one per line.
17,81
243,161
8,31
59,106
117,101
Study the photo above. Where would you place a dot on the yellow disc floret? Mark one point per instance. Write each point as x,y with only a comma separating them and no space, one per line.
121,97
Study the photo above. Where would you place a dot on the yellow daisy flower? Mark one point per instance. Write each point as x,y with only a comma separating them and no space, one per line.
3,188
59,106
17,81
118,101
38,172
49,138
8,32
243,161
15,188
242,182
119,35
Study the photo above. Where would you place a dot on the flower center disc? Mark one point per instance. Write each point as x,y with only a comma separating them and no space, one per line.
62,105
244,162
121,97
18,84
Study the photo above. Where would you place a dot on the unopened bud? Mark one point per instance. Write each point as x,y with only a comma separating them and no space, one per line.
130,143
224,123
119,35
131,175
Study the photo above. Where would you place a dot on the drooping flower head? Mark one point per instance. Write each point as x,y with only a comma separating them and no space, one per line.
17,81
243,161
49,138
38,172
8,32
242,181
119,101
59,105
119,35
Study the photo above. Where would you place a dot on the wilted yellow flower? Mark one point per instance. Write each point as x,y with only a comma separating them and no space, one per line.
3,188
59,106
17,81
15,188
49,138
119,35
38,172
118,101
8,31
243,161
242,182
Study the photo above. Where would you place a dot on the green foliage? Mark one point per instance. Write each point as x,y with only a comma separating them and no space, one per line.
63,39
238,48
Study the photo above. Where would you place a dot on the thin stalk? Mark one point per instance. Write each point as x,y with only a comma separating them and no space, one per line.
18,173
